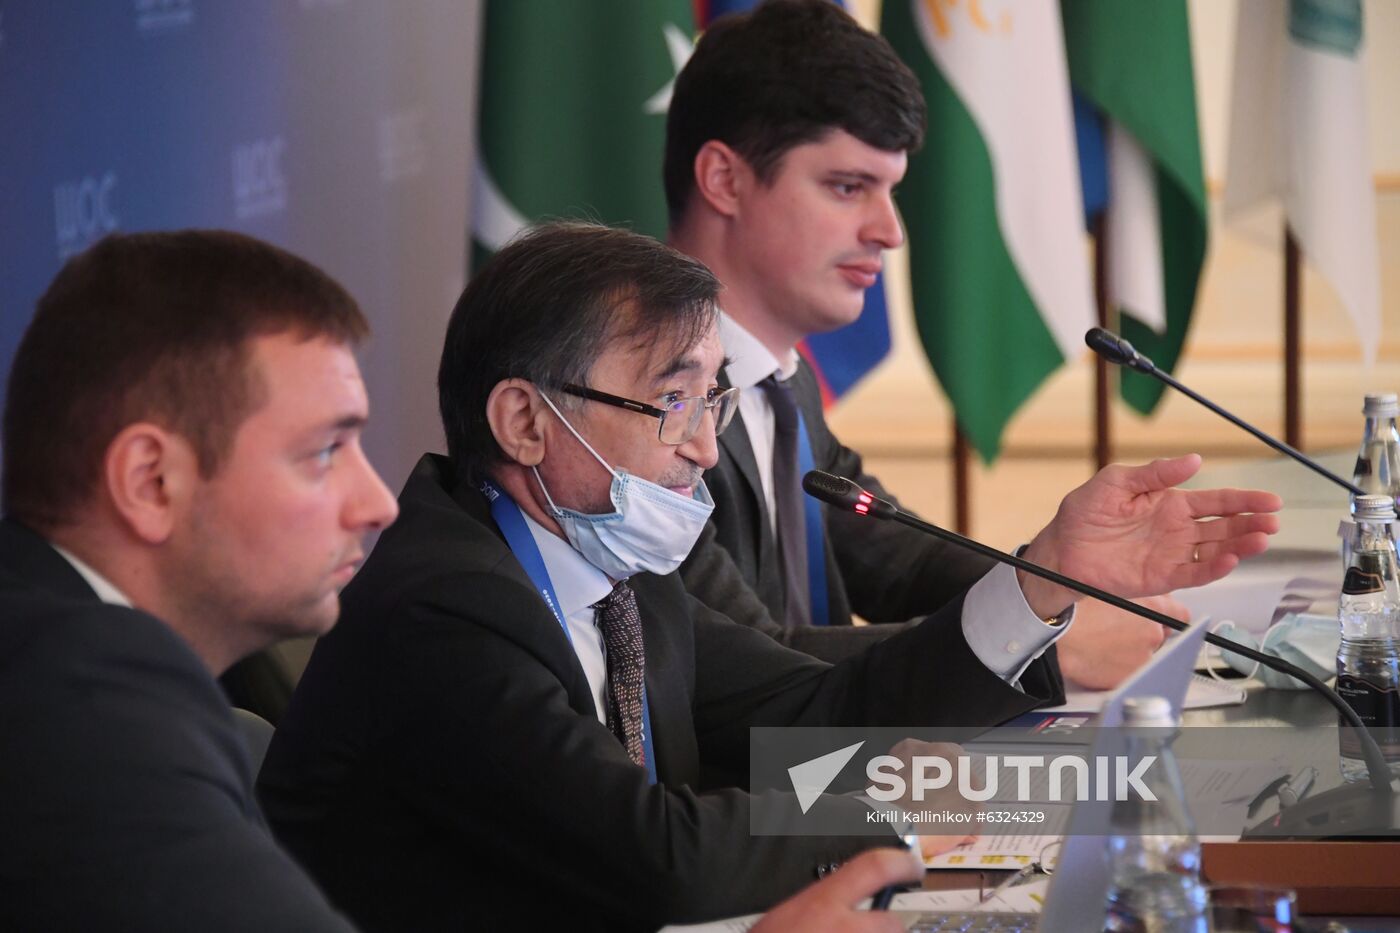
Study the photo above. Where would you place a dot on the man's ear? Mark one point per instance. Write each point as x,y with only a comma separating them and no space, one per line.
149,473
516,413
721,177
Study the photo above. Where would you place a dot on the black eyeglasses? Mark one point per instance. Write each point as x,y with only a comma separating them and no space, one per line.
680,419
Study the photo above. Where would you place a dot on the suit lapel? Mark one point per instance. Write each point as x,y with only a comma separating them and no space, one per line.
735,443
560,654
671,723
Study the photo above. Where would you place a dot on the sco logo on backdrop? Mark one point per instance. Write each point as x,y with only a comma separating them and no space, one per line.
157,16
84,210
259,187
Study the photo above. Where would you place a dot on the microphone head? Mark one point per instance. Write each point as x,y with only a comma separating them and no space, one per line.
845,494
1111,347
830,488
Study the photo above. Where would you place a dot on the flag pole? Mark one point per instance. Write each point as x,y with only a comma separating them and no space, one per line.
1103,442
1292,339
962,507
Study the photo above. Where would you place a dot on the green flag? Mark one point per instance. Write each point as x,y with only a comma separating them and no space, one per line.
1133,61
573,113
992,203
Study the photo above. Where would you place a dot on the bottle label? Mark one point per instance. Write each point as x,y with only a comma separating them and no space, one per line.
1359,581
1378,708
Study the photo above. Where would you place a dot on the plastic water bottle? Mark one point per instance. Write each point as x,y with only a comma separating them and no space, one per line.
1378,462
1155,857
1377,469
1368,667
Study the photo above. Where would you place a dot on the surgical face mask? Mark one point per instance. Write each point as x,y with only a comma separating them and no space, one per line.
1306,641
650,530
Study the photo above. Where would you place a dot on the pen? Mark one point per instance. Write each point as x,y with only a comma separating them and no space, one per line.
1270,789
1025,871
883,897
1292,792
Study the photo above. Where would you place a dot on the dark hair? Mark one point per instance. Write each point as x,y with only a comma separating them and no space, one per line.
151,327
547,306
782,75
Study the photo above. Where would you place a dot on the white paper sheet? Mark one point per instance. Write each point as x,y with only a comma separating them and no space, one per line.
1201,693
1258,592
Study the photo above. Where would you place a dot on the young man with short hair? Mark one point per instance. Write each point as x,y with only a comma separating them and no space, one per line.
183,485
787,133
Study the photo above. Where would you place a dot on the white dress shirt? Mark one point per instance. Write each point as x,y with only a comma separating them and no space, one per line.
997,622
577,586
103,587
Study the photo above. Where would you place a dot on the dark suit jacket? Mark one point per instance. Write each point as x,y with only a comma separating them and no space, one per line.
441,762
882,571
126,799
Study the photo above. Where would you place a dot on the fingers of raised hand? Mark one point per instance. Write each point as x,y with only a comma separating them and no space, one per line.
1213,565
1233,528
1205,503
1157,475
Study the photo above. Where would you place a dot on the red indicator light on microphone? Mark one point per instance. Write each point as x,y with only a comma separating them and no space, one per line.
865,497
862,508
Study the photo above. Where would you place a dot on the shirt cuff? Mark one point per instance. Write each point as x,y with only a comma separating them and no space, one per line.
1001,629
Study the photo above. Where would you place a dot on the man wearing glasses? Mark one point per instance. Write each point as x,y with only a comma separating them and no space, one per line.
521,692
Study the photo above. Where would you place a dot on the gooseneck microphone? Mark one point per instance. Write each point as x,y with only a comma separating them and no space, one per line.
844,494
1115,349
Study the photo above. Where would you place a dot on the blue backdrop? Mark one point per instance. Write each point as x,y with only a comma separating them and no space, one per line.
336,128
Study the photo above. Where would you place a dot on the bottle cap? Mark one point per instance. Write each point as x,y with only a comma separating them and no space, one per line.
1386,405
1371,508
1148,711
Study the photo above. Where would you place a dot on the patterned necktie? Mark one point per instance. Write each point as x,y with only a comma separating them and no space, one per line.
791,533
621,625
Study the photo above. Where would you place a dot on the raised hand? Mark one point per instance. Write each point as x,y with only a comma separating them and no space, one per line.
1128,530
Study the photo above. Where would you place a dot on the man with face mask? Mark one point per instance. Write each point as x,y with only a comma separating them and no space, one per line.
148,543
521,692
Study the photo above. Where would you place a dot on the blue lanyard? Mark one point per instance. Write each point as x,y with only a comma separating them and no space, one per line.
521,542
816,541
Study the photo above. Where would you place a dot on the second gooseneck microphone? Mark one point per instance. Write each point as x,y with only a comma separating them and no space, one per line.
1115,349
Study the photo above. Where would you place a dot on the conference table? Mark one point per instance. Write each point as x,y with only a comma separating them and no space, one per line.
1332,878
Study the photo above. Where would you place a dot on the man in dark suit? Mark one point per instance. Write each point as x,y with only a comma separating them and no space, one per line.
182,441
786,135
183,485
521,690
